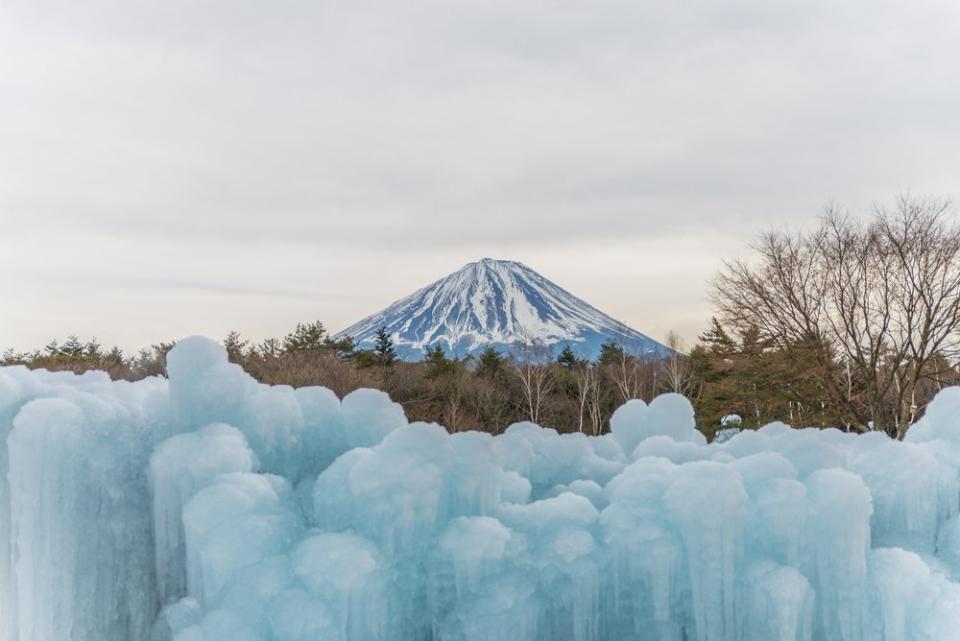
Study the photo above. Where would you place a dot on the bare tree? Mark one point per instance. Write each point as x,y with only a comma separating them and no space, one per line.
595,403
678,372
308,368
878,302
623,369
626,376
587,380
490,403
452,395
532,364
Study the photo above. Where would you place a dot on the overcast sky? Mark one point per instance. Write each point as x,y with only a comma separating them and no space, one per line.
179,167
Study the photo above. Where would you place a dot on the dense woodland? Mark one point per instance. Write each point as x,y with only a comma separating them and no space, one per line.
853,325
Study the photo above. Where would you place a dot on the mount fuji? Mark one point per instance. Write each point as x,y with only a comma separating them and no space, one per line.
500,304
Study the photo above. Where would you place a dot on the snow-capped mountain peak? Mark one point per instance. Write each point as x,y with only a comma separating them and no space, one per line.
499,303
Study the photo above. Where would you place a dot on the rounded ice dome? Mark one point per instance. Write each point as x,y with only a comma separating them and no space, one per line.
669,415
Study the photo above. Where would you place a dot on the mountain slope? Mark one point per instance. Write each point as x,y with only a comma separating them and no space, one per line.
496,303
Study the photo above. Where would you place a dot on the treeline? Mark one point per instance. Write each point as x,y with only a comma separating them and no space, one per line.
722,375
488,391
77,356
854,324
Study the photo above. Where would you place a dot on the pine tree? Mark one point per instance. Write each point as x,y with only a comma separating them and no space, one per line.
717,340
489,363
436,361
345,347
383,349
235,346
93,350
115,356
567,358
270,348
73,348
52,348
307,336
610,353
364,358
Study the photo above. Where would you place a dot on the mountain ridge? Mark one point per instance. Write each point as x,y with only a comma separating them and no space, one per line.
497,303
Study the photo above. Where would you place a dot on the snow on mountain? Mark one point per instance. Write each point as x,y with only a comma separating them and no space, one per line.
497,303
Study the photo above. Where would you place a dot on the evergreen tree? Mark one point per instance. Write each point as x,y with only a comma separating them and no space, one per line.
307,336
364,358
437,363
73,348
383,348
344,347
52,348
235,346
489,363
610,353
751,343
270,348
717,340
566,382
115,356
93,350
567,358
153,361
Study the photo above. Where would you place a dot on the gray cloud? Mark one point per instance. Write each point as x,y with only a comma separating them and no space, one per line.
291,145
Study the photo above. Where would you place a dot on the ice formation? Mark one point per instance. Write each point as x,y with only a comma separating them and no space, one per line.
211,508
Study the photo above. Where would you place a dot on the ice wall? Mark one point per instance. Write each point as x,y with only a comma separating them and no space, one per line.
211,508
